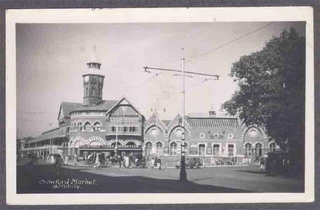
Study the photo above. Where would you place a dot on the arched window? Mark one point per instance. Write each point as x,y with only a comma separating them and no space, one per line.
87,127
216,149
68,129
148,148
202,149
80,127
87,91
248,150
131,144
258,150
230,149
272,147
97,126
173,148
114,144
159,148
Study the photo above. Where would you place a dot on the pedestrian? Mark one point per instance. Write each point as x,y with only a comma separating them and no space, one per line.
159,163
57,164
152,162
120,160
262,163
52,158
97,162
75,159
66,160
126,161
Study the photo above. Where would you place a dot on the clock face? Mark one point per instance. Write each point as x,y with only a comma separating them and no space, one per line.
86,78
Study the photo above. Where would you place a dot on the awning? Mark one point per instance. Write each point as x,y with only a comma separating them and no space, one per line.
55,133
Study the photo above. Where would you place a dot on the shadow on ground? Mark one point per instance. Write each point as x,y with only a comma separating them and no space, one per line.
42,179
297,176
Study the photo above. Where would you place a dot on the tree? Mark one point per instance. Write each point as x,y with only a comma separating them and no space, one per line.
272,90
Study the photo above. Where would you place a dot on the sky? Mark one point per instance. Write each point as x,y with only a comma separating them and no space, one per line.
51,59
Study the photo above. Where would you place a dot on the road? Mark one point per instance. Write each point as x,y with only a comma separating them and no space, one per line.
78,179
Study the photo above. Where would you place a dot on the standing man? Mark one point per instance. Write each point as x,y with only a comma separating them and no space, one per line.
159,163
57,164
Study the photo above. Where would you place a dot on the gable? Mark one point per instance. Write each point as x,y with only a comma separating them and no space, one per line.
126,110
123,102
61,115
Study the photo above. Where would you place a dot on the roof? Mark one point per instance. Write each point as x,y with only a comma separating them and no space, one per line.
119,102
166,122
215,122
151,119
104,105
207,115
68,107
155,119
54,133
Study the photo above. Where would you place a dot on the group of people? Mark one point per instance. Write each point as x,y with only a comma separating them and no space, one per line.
262,163
155,163
95,159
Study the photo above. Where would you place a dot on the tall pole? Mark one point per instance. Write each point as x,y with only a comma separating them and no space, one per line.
123,122
183,174
117,125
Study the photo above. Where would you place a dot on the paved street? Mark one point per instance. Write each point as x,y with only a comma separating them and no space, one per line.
79,179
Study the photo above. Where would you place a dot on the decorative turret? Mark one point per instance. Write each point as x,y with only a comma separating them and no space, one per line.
212,112
92,82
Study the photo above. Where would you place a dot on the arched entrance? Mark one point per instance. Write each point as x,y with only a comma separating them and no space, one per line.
272,147
248,150
173,148
148,149
258,151
159,149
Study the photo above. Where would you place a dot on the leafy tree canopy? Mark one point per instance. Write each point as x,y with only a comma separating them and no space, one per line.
272,90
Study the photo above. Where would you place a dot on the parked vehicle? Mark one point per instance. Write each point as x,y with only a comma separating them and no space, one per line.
278,163
141,163
191,163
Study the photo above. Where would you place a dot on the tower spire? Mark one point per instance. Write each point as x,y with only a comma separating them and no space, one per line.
93,81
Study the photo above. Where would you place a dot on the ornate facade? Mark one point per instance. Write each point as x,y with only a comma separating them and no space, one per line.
94,125
117,126
207,136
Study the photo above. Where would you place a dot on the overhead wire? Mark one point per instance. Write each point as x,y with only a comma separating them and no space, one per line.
177,93
227,43
203,54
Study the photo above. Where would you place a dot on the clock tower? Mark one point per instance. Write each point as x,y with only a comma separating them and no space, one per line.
92,82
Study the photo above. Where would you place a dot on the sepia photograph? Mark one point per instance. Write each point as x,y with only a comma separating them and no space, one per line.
174,106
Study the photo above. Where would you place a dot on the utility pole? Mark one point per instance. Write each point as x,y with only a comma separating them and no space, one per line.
117,127
183,173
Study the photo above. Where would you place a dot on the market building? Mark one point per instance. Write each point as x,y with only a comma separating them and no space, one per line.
207,136
117,126
106,126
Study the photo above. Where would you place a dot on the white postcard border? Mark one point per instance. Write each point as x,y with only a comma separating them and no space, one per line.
155,15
